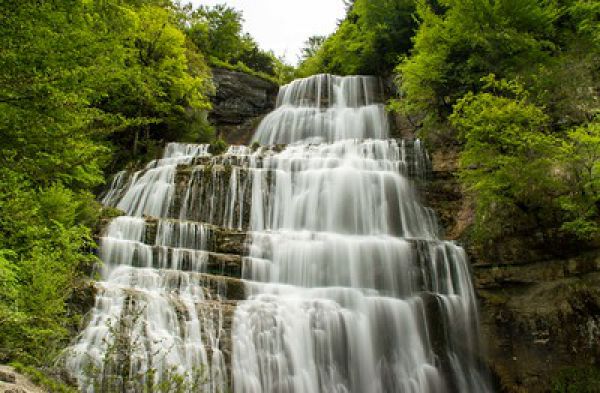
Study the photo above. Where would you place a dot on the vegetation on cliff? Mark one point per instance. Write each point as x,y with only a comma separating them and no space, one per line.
368,41
217,32
516,82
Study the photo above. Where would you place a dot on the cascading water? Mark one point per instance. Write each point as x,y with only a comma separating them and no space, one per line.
153,321
348,287
352,291
325,108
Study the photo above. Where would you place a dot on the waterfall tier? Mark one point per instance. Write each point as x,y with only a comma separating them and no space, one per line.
326,108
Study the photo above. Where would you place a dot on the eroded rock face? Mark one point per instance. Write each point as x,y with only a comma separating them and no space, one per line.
240,102
540,318
540,314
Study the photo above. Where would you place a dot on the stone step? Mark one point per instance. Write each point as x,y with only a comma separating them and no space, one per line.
217,288
221,240
228,265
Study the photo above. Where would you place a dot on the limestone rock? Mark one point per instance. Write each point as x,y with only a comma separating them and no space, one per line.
239,103
8,377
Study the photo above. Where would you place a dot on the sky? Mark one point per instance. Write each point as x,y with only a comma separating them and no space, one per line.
284,25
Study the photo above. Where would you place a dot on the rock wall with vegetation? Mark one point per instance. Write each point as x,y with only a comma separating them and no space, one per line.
539,310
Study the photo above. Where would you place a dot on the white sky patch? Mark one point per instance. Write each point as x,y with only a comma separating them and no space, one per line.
284,25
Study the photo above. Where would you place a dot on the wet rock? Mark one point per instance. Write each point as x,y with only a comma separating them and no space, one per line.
444,194
226,288
221,240
534,331
225,264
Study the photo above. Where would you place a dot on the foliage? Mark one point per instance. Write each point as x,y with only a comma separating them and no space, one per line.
519,82
577,380
79,80
41,379
49,159
465,40
368,41
585,15
45,89
506,159
217,32
312,46
522,175
241,67
218,147
162,89
580,157
44,242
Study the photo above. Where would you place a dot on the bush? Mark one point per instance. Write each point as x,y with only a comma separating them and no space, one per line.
218,147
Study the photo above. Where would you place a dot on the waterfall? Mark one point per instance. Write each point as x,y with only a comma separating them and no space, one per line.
351,288
347,286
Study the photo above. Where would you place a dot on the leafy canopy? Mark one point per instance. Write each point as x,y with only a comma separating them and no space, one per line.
368,41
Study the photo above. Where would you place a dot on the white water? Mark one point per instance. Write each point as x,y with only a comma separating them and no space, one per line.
154,291
350,288
325,108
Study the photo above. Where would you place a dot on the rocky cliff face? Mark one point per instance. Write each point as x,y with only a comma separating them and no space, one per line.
240,102
540,314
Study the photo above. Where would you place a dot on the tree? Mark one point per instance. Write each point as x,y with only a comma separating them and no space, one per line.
255,58
580,157
368,41
217,31
75,75
162,91
463,42
312,46
507,160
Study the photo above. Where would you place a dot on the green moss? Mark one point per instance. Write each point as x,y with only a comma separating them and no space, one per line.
495,299
111,212
241,67
41,379
577,380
